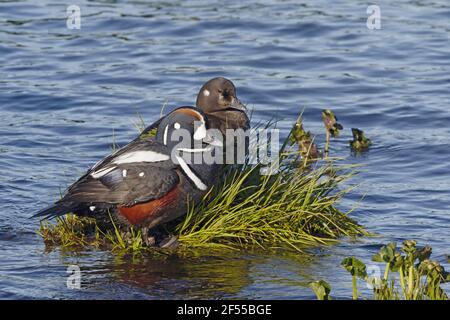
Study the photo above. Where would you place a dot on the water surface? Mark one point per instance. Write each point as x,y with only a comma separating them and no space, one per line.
65,93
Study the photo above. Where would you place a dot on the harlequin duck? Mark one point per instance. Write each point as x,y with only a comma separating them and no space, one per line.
217,99
148,181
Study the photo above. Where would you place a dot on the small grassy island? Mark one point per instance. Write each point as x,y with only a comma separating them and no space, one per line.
292,209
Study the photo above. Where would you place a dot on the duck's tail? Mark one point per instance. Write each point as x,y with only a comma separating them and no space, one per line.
53,211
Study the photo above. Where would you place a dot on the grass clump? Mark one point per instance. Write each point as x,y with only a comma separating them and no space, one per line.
129,240
289,209
419,277
69,231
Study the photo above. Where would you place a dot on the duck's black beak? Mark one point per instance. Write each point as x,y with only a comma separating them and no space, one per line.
238,105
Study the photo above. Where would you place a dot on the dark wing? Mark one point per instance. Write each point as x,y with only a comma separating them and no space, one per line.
126,184
138,172
139,144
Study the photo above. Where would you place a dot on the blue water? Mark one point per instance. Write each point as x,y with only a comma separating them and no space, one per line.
65,93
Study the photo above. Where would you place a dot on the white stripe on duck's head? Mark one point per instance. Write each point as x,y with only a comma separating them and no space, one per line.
175,127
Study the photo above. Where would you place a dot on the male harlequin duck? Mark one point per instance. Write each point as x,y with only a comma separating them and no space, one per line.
148,181
217,99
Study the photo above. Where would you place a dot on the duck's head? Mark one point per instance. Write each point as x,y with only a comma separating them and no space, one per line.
218,99
192,121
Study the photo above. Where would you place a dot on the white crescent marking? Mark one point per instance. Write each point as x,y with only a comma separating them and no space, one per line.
141,156
165,135
196,180
209,148
100,173
200,133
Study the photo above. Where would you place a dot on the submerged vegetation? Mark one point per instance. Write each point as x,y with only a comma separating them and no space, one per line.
305,141
417,276
332,127
360,142
293,208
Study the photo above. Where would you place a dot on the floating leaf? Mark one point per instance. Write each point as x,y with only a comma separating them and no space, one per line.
330,122
305,141
359,142
386,253
355,266
409,246
446,276
322,289
424,253
397,262
431,267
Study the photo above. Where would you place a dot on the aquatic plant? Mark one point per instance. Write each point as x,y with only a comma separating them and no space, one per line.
360,142
357,269
322,289
72,232
305,140
331,125
419,277
123,240
69,231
